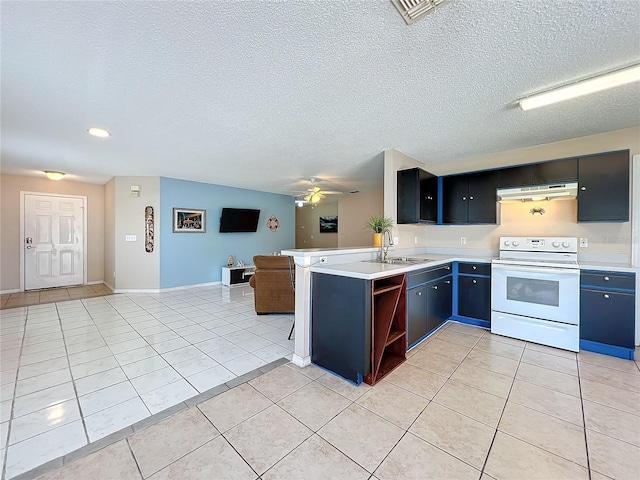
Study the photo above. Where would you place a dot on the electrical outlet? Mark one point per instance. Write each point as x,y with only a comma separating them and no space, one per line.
584,242
395,240
463,240
415,240
323,259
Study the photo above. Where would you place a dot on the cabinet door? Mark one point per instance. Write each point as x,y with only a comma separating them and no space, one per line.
607,317
455,205
439,303
416,314
482,197
474,297
428,197
556,171
603,187
515,176
417,196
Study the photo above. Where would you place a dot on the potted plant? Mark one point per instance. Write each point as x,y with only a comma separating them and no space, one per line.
378,224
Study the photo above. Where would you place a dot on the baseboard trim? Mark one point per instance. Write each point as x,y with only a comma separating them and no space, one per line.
13,290
161,290
603,348
97,282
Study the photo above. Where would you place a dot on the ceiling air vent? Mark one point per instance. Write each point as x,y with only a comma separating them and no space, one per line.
412,10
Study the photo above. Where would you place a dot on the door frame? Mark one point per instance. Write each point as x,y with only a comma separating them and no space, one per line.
84,231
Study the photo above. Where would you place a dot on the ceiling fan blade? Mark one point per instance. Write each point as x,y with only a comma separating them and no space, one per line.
330,192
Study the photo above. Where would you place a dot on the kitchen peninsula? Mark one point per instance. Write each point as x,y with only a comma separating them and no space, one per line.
469,268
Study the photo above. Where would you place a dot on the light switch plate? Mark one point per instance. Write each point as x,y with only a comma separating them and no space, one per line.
584,242
130,238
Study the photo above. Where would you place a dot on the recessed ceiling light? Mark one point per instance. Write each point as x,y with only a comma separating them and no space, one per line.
54,175
98,132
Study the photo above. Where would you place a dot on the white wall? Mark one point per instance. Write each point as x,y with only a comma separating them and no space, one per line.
134,267
353,212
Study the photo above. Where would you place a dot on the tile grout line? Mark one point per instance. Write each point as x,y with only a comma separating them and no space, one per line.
584,419
495,433
73,380
13,399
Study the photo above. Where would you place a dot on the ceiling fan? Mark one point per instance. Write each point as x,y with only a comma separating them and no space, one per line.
313,194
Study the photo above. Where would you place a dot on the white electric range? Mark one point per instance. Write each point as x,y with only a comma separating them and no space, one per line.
535,291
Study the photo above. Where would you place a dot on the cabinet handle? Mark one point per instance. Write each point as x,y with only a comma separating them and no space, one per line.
464,199
448,268
419,294
474,281
471,198
583,189
606,279
447,281
435,287
429,197
474,267
606,295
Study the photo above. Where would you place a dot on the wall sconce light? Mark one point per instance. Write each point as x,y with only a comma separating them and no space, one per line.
135,190
54,175
535,210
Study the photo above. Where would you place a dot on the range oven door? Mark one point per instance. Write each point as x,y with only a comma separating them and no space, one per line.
539,292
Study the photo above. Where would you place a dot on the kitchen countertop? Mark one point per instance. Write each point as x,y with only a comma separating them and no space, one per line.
371,270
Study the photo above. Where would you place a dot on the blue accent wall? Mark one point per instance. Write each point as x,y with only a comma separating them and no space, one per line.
194,258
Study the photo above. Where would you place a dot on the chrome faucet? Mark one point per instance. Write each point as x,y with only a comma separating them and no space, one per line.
385,250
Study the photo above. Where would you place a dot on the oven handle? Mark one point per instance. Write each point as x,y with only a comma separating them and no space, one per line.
526,268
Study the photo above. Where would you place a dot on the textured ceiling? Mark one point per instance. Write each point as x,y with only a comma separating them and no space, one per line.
261,94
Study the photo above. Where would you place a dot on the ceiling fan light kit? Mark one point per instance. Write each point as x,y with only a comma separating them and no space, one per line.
587,86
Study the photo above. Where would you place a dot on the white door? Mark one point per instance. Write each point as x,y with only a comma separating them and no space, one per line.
53,241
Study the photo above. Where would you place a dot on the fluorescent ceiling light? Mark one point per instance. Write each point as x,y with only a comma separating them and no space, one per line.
54,175
583,87
98,132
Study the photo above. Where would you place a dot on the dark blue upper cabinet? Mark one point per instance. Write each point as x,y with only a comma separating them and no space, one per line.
603,187
556,171
417,196
515,176
469,198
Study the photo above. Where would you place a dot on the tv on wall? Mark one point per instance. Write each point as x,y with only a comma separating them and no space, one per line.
235,220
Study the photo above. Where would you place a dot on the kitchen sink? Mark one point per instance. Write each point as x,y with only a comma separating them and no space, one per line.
401,260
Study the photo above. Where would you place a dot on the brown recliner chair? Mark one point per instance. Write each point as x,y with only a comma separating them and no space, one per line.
272,284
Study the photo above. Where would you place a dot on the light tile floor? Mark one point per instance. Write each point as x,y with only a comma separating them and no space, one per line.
466,404
75,371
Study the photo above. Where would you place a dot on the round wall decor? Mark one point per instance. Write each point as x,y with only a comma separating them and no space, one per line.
273,223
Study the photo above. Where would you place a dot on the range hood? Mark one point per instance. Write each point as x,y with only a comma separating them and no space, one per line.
536,193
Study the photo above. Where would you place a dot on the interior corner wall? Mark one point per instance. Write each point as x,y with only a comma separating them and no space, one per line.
353,213
135,268
408,235
308,226
10,188
197,258
110,233
560,218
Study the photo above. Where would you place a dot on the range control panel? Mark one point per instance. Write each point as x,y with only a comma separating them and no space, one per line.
539,244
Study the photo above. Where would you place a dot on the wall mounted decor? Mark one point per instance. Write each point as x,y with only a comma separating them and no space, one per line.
188,220
273,223
329,224
148,229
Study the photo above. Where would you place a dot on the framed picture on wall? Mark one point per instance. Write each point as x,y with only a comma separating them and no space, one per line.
329,224
188,220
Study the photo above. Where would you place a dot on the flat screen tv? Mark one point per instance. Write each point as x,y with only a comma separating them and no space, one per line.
235,220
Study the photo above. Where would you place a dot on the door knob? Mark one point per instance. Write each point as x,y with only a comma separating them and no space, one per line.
29,246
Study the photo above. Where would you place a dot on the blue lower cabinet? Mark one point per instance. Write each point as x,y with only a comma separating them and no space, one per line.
474,297
607,314
416,314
